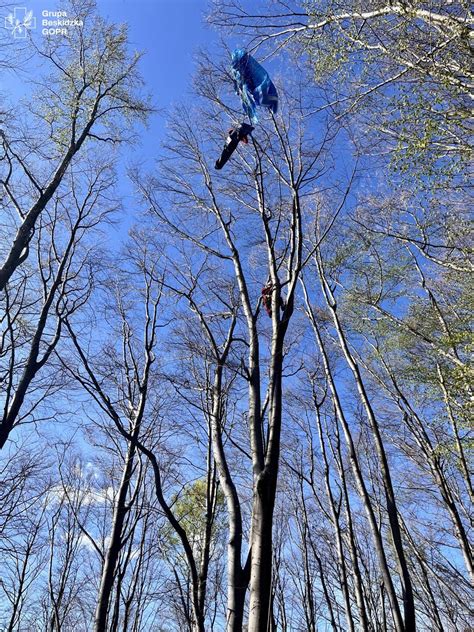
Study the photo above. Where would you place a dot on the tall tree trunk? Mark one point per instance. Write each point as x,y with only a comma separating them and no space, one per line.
358,475
237,577
358,587
262,551
391,506
416,427
260,616
335,513
115,545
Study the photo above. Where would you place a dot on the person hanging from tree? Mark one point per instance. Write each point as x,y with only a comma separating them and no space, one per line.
253,85
267,293
236,134
267,298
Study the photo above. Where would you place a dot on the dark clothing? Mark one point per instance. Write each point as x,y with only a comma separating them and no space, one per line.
236,134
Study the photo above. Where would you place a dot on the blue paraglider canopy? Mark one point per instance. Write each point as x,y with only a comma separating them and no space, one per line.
253,84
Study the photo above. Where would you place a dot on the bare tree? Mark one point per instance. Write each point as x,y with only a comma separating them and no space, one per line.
92,99
37,303
132,378
268,196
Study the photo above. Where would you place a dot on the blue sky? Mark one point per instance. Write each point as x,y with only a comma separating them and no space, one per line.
168,31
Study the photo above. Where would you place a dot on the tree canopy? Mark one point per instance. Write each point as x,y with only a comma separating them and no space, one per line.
239,399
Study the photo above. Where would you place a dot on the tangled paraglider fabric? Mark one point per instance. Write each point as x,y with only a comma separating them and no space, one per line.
253,84
255,88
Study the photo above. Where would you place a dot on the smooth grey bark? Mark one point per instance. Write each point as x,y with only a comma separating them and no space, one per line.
237,576
115,545
391,505
211,504
266,477
262,510
261,529
335,513
355,568
358,475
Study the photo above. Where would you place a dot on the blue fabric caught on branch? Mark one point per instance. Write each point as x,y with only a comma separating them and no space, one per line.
253,84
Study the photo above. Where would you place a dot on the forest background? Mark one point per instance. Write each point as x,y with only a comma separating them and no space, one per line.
173,457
